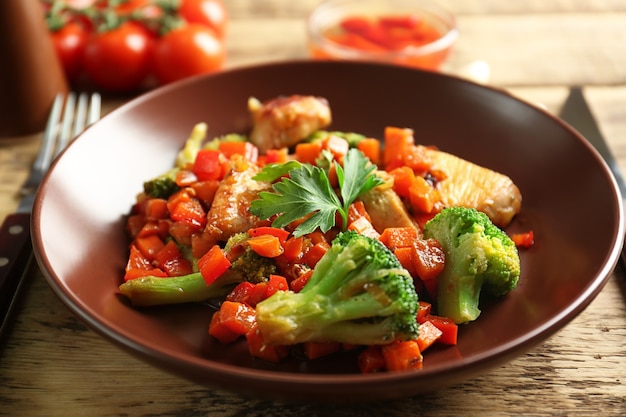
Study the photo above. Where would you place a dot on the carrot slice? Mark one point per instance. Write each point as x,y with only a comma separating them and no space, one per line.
428,335
397,141
266,245
370,148
398,237
308,152
402,355
428,258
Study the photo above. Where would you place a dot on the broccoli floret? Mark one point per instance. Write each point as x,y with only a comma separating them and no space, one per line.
246,265
358,293
249,265
479,256
162,186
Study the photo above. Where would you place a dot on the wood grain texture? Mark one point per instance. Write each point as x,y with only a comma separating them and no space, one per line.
52,365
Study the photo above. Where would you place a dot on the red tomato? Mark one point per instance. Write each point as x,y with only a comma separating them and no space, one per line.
192,49
69,43
212,13
118,59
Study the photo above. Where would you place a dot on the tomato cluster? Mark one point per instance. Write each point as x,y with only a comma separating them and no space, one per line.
129,45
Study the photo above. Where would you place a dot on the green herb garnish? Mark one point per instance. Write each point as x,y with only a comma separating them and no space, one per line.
305,192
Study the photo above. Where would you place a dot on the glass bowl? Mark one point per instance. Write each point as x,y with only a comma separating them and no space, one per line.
415,33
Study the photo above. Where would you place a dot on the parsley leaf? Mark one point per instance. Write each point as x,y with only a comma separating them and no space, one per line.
307,192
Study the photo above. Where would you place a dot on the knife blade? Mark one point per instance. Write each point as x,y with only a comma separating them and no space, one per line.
576,112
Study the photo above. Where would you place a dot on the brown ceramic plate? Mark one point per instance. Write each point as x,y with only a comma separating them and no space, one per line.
570,201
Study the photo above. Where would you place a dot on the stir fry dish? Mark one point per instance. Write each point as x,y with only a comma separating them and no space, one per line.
317,241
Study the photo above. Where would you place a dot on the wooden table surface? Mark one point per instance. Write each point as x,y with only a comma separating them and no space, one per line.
52,365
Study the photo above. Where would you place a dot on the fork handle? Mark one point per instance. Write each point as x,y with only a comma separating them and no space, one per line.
15,258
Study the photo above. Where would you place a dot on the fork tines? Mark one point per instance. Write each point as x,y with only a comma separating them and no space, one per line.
77,117
64,124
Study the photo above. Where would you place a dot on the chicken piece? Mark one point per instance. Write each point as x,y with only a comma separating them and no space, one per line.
470,185
284,121
229,213
386,208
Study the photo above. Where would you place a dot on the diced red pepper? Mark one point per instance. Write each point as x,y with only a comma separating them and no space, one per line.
297,284
190,212
448,328
246,149
160,228
293,249
156,209
213,264
239,318
276,283
314,253
523,240
249,293
172,261
423,311
149,245
208,165
221,332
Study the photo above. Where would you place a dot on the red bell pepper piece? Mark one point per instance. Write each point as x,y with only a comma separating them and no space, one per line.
213,264
208,165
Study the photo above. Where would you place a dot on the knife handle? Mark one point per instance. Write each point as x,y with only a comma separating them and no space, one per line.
15,256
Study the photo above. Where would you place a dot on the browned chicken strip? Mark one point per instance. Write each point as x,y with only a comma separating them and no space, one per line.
386,208
284,121
229,212
470,185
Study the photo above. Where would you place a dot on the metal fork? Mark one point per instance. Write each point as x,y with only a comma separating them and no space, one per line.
64,124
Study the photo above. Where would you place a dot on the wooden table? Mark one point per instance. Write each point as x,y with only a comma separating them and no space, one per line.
52,365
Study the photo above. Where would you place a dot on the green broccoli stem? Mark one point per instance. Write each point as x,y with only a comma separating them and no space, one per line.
314,317
458,295
152,291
